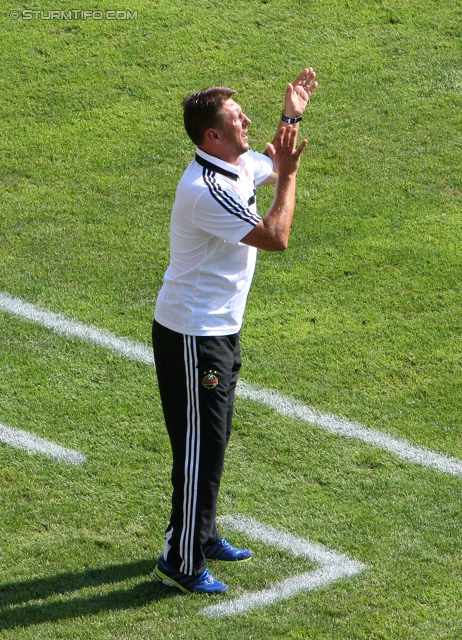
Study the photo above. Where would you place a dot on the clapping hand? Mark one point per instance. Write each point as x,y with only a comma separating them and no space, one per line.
299,92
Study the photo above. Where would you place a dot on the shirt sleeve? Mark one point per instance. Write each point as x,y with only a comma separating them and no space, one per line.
262,166
220,212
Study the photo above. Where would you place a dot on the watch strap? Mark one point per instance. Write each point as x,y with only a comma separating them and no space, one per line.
293,120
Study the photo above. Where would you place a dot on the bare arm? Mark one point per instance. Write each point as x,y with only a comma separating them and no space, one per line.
272,232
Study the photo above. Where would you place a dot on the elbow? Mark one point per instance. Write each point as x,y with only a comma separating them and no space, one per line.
278,244
281,246
281,241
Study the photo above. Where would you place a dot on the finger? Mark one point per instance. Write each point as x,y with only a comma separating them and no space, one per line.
293,137
311,88
298,152
288,140
280,138
288,137
301,79
271,150
311,75
306,81
306,77
290,89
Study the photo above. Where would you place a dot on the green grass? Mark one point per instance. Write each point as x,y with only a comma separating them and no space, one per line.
362,314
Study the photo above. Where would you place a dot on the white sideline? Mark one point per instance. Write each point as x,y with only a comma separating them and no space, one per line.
279,403
33,444
342,427
66,327
333,567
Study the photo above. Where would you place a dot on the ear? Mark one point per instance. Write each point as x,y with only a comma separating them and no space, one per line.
212,136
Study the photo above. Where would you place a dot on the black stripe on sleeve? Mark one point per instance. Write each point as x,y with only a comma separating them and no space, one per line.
228,203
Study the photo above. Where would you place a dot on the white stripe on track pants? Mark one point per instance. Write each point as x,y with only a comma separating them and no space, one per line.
197,377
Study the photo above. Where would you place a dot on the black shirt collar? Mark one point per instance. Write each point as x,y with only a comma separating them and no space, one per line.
204,161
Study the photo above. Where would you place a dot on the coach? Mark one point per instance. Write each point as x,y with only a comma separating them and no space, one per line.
215,232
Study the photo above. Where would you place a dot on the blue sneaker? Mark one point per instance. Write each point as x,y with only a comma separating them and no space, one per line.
205,583
224,551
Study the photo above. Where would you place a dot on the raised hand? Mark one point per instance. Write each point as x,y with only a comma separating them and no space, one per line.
284,151
299,92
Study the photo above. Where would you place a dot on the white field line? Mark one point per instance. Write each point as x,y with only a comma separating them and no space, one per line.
342,427
333,567
62,325
281,404
33,444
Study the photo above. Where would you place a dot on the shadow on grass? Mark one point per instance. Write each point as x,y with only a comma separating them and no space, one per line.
23,596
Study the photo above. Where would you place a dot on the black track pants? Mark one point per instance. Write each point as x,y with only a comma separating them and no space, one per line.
197,377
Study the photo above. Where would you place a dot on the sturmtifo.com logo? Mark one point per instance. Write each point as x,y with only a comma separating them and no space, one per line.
74,14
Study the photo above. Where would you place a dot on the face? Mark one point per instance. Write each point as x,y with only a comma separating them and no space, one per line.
233,131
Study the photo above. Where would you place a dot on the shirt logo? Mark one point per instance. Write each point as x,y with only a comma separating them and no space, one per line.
210,380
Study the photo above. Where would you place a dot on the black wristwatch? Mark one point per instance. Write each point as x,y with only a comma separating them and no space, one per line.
291,120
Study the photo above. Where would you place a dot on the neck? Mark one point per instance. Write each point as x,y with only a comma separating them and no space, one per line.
221,154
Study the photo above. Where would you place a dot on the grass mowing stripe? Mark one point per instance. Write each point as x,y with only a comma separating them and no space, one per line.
33,444
282,405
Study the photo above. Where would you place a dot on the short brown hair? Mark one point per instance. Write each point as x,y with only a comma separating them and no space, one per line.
202,111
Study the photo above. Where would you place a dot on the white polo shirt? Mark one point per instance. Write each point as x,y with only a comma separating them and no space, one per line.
206,284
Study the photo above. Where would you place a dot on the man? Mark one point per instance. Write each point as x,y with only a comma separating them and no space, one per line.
215,233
